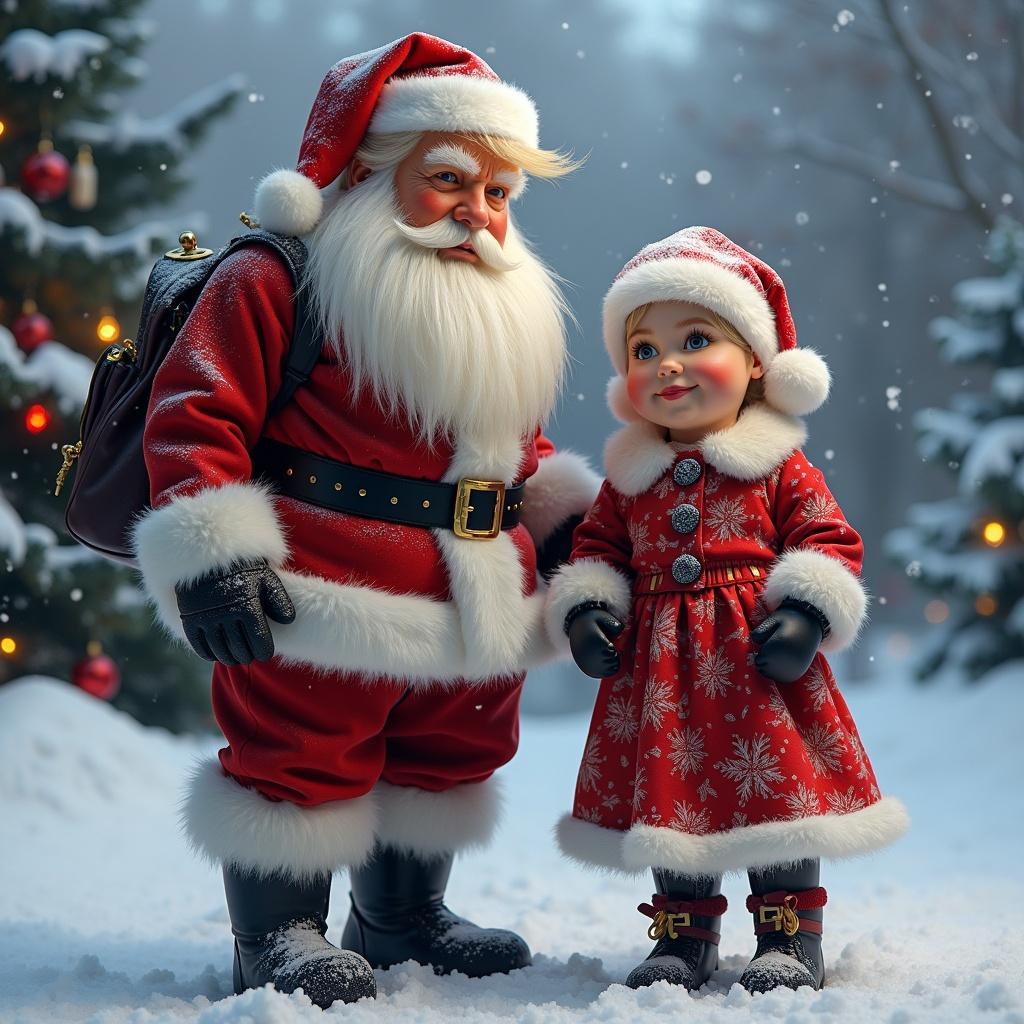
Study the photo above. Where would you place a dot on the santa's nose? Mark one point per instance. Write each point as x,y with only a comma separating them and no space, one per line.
473,213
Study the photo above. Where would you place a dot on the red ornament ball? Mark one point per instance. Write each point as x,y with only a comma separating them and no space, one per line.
97,674
30,330
45,176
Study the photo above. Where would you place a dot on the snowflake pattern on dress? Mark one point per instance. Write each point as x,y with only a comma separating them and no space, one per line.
819,506
689,736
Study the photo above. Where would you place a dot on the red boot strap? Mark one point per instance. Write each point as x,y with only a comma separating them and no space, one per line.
777,911
675,917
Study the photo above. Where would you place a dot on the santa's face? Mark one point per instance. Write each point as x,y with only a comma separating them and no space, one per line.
684,374
450,177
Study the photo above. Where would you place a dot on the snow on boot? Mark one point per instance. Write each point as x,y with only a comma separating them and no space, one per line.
279,926
398,914
787,907
687,915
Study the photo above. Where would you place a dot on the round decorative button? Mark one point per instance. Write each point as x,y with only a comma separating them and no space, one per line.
685,569
687,472
685,518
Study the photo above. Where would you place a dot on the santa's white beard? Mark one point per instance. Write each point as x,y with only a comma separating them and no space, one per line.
460,349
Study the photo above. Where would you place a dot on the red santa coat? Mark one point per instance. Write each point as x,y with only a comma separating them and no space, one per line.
695,762
381,608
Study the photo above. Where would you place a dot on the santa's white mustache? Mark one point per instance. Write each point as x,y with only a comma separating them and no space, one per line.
448,233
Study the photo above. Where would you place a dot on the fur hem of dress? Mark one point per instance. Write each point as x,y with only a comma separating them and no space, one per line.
228,823
829,836
760,441
346,626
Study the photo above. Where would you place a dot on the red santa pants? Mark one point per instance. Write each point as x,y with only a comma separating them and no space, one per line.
308,737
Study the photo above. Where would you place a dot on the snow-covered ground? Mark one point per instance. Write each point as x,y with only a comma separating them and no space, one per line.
105,917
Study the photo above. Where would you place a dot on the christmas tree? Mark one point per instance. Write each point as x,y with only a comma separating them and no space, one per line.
82,171
969,549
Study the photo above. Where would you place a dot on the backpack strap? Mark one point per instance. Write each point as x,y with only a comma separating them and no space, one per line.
306,344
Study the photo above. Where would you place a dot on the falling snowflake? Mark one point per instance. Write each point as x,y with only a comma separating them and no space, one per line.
726,518
753,769
816,685
639,793
590,771
687,754
824,747
621,720
804,803
818,506
844,803
658,702
690,819
663,635
713,672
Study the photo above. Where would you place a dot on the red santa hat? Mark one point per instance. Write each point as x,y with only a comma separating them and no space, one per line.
417,83
702,266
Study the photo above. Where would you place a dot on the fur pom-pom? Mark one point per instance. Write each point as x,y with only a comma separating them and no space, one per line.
288,203
797,381
618,401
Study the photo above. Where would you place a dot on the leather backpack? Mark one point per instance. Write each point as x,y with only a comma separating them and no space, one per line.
111,484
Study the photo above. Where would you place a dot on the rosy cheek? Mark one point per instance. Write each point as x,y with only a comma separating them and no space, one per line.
636,387
716,373
427,207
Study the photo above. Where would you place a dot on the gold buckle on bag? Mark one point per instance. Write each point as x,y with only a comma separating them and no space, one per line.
463,507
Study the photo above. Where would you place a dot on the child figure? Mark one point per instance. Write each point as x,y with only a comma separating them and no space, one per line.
707,580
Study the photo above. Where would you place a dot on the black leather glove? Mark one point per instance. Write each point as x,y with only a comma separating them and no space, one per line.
224,613
789,638
591,628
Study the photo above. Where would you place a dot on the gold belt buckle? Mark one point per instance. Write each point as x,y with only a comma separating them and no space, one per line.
771,915
464,496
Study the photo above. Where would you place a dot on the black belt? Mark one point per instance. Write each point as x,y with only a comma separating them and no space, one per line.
473,509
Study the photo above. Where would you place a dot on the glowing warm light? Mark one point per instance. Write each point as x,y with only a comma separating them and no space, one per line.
8,645
3,127
108,329
994,534
37,419
985,604
936,612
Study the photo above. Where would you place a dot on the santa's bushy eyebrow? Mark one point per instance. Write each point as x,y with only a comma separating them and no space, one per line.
453,156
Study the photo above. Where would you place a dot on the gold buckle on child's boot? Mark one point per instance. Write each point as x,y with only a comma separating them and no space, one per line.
784,918
665,924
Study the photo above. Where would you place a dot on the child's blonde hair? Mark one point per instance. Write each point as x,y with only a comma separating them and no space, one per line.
755,389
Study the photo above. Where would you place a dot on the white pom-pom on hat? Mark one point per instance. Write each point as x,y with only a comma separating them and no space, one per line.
797,381
288,203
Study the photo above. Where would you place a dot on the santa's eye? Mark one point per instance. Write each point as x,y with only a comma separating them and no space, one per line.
643,350
696,341
497,192
448,177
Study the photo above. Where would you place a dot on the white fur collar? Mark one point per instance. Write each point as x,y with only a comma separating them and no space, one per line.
761,439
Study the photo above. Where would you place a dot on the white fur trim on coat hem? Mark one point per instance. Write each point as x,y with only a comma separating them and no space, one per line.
588,579
228,823
456,103
828,836
826,582
431,824
563,486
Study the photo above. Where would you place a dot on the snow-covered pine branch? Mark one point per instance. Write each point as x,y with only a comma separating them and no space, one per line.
29,53
51,367
174,129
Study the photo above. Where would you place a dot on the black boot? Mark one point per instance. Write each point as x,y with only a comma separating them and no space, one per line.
786,904
279,927
398,914
687,916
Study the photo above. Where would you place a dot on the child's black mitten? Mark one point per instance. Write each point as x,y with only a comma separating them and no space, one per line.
591,628
789,638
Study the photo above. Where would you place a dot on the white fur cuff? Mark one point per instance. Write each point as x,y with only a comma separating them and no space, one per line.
564,485
227,823
589,579
195,535
807,574
433,824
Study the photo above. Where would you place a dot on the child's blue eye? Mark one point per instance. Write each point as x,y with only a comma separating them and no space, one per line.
696,341
644,350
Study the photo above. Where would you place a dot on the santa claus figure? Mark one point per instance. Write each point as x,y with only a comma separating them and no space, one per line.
362,565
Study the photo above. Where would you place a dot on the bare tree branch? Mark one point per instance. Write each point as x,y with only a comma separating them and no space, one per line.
922,87
937,194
